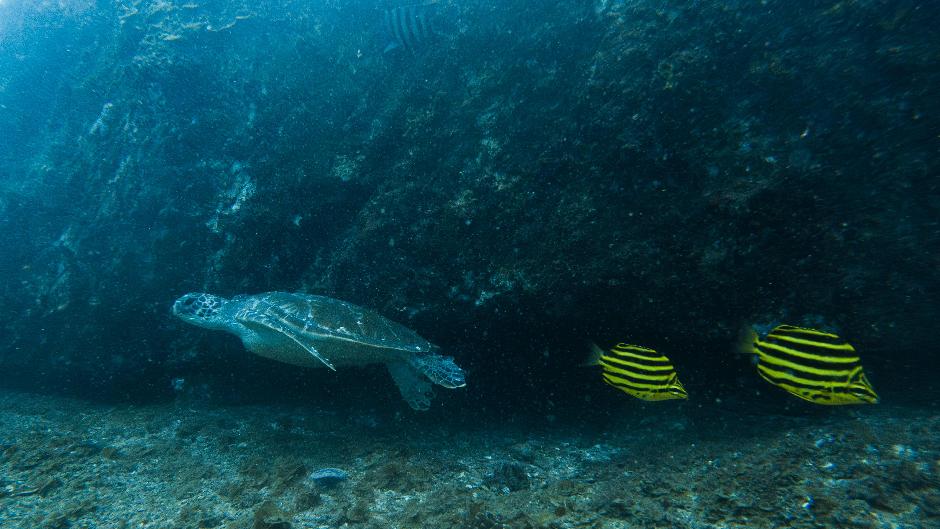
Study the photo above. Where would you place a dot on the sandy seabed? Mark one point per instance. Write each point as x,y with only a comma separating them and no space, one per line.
68,463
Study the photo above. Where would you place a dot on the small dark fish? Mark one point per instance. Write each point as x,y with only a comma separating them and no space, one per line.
410,26
639,371
813,365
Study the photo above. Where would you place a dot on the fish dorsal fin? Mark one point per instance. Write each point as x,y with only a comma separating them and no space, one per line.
255,318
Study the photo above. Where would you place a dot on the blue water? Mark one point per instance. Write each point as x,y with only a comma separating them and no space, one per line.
511,183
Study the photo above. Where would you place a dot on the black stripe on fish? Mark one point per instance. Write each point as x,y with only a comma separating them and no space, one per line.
807,334
810,378
641,372
408,23
826,347
421,23
649,392
409,26
637,359
639,375
813,365
841,393
401,30
632,367
803,353
417,28
621,382
388,25
636,353
787,358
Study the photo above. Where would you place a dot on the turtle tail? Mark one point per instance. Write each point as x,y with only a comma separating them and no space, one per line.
442,370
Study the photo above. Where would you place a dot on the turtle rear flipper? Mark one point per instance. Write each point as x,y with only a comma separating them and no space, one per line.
253,318
414,389
440,369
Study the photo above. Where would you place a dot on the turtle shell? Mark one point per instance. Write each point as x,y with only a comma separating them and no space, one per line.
323,318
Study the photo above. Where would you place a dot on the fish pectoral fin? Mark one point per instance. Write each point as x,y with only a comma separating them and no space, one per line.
274,325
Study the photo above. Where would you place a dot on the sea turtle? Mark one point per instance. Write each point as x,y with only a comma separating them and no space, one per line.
317,331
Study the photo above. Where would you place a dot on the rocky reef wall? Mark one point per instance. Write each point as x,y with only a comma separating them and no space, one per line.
540,174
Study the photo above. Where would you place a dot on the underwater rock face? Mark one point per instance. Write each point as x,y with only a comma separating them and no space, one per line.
543,173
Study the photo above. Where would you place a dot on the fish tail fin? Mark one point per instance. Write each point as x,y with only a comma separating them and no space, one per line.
746,339
594,357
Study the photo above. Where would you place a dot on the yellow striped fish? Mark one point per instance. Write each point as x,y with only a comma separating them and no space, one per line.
639,371
815,366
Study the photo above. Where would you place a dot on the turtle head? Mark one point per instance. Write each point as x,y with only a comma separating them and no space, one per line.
204,310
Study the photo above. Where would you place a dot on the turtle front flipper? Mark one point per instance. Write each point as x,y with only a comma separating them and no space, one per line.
414,389
442,370
281,325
